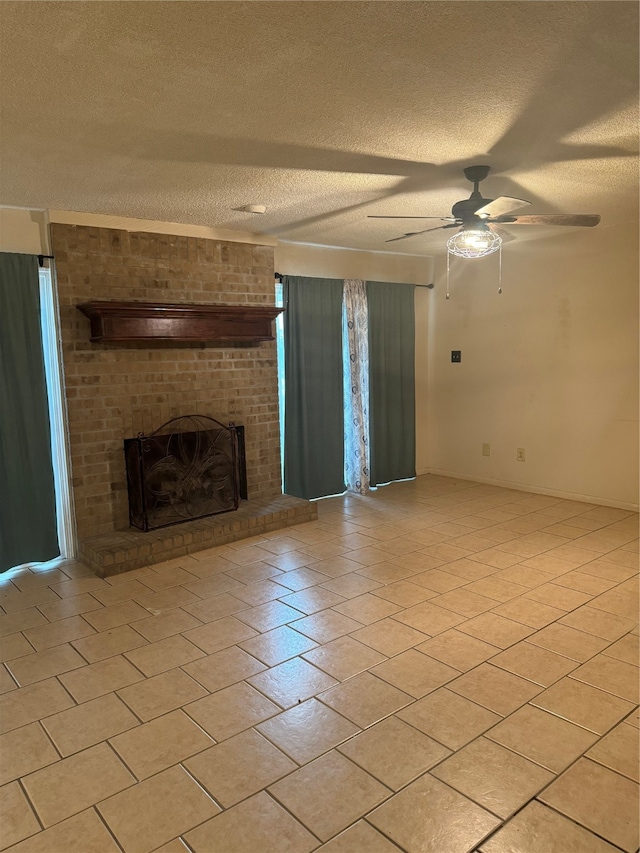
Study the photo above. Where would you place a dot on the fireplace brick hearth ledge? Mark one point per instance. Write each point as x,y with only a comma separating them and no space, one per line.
124,550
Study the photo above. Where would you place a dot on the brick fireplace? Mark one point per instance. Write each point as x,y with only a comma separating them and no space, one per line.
116,390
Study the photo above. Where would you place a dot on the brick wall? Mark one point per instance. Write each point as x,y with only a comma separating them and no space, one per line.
115,391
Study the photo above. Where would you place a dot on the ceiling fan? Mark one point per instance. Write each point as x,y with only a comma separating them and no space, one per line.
478,220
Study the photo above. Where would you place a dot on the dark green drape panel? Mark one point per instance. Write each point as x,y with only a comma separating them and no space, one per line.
314,409
27,498
392,404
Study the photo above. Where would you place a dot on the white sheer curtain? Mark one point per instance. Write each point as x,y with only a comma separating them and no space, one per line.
356,387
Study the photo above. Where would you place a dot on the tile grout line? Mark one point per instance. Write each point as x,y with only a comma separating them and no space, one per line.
31,804
98,813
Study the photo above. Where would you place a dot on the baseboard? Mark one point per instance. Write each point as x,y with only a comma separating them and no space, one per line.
536,490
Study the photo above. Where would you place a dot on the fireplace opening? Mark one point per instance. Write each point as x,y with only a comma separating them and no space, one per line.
190,467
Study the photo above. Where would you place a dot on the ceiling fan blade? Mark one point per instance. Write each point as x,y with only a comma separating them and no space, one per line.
583,219
500,206
441,218
502,233
426,231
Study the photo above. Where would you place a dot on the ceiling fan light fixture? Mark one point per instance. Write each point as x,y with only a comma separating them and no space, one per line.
474,242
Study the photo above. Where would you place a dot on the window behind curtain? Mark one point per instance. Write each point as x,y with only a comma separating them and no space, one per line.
57,413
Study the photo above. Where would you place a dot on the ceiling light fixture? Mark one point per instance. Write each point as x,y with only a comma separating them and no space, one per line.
474,241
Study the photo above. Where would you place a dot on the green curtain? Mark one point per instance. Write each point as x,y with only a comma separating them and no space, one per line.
392,406
28,530
314,410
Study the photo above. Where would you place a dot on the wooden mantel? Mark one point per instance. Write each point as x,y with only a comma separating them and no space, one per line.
162,321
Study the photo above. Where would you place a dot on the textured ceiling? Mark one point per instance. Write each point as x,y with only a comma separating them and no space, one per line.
323,111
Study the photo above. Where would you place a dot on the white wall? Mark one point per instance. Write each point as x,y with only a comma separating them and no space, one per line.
331,262
23,231
328,262
551,366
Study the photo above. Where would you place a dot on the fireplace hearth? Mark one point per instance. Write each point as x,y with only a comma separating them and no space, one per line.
190,467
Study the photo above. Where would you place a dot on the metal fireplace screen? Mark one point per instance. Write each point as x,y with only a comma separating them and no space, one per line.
190,467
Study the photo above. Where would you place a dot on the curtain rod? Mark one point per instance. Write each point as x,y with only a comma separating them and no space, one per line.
279,276
42,258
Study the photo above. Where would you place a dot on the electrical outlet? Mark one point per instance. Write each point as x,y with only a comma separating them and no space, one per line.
456,356
520,454
486,450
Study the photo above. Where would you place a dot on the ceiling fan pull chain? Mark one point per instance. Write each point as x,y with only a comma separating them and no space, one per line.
500,270
448,256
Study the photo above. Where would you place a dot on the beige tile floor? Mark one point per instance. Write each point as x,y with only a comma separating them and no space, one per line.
438,667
